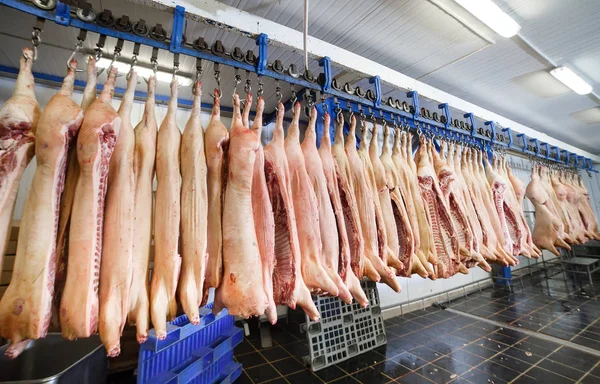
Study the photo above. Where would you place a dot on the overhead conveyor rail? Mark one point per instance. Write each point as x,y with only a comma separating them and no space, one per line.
334,96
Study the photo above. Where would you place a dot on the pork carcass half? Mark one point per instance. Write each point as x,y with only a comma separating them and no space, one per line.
116,267
19,116
143,170
327,223
411,194
307,214
358,263
95,144
26,307
67,197
194,212
547,231
342,264
167,217
241,290
383,207
458,212
408,236
444,234
262,210
373,236
216,141
288,285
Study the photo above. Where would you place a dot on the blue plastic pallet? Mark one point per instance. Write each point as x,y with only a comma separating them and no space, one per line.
189,352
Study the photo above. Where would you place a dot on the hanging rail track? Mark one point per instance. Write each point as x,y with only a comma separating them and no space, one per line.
486,136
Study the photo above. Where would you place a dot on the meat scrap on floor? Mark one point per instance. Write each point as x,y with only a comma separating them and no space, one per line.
306,214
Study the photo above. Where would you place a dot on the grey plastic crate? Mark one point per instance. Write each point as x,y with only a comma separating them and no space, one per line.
344,331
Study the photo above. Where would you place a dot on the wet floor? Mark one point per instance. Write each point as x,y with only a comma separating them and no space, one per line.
436,345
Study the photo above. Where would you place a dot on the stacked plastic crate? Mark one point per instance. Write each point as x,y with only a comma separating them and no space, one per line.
199,354
345,331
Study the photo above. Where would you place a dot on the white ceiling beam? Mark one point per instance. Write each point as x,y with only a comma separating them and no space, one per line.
279,34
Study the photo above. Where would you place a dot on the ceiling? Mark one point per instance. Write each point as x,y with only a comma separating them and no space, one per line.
414,37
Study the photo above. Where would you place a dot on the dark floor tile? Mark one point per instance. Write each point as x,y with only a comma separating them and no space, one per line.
360,362
561,369
467,335
330,373
345,380
298,349
279,380
498,370
511,362
501,338
586,342
477,376
288,366
283,337
409,360
275,353
528,346
459,380
466,357
546,376
303,377
590,335
524,379
391,369
243,347
425,353
504,318
590,379
243,379
394,347
250,360
452,365
480,350
574,358
413,378
262,373
511,333
435,373
558,333
446,344
523,355
371,376
596,371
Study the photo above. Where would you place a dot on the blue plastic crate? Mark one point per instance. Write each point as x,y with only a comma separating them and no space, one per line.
189,350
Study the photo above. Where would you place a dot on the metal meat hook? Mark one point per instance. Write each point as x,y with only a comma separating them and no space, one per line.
78,47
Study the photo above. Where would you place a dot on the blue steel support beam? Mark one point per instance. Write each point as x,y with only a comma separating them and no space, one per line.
555,148
62,16
325,62
377,85
547,146
492,126
261,64
445,108
537,146
509,134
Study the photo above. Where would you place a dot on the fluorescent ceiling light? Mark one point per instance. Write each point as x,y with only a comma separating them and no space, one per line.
571,80
162,76
490,14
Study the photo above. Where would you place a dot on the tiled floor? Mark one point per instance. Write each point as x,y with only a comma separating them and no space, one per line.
543,305
438,346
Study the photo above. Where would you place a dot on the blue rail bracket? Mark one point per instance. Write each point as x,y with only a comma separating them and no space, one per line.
566,155
537,146
471,119
509,134
376,81
263,51
523,137
63,14
492,126
414,95
555,148
177,31
325,62
545,145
